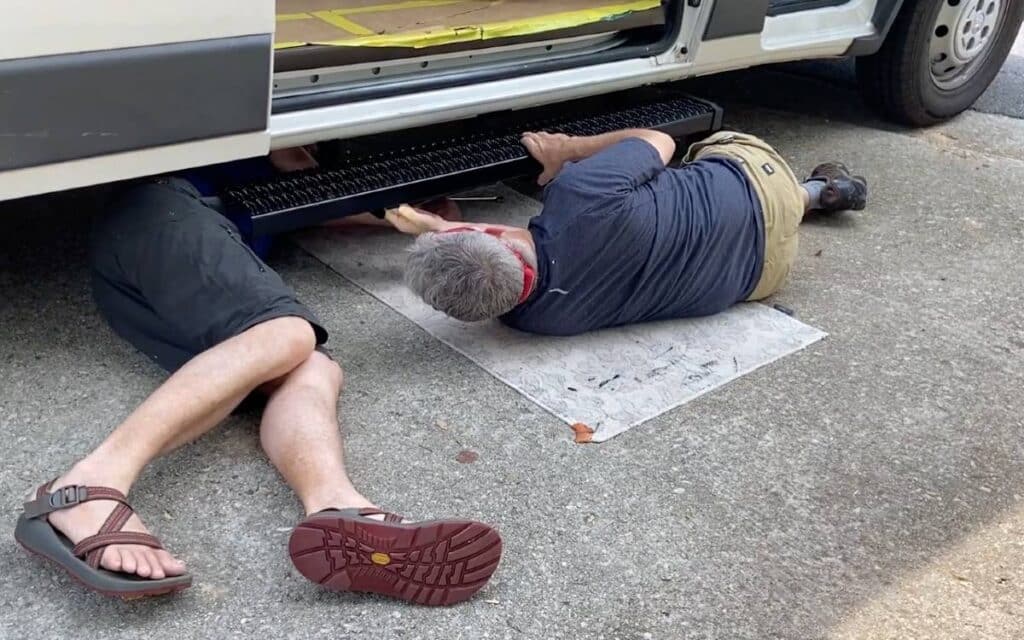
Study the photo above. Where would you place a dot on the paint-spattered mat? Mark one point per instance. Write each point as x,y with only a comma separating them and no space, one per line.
611,380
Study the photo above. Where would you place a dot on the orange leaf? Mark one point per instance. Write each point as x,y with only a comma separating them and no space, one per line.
583,433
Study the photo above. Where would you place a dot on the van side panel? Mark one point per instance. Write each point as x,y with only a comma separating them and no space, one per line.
78,105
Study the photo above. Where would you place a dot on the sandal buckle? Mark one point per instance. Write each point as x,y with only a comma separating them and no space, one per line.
68,496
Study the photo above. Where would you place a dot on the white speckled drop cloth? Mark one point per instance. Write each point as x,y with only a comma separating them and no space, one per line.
611,380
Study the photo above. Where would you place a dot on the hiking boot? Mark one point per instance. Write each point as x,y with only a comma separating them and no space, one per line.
842,191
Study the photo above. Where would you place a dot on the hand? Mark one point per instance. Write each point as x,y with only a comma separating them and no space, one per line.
293,159
413,221
551,150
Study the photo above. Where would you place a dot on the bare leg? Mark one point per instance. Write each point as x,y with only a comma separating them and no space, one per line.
192,401
300,435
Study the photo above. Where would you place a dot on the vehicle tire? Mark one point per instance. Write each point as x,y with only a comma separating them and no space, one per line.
939,57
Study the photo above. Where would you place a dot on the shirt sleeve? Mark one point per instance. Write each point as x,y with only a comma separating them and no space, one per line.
617,170
598,184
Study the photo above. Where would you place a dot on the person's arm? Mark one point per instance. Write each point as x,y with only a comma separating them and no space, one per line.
413,221
554,150
584,147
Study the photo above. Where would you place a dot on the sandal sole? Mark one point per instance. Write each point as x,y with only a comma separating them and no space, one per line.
127,597
441,562
40,539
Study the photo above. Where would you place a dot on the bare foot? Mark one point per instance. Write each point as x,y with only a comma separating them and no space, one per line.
84,520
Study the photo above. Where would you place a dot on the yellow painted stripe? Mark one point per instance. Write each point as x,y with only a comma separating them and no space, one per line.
400,6
564,20
489,31
340,21
291,17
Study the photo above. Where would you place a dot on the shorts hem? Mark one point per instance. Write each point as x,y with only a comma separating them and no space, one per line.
285,311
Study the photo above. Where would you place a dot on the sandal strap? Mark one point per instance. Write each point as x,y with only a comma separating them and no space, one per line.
353,512
392,518
47,501
92,548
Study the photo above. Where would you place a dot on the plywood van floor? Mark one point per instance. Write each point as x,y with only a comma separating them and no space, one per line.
427,23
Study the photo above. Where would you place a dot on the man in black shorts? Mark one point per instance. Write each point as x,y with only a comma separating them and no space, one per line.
175,278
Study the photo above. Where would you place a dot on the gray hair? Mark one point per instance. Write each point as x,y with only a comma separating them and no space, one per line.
470,276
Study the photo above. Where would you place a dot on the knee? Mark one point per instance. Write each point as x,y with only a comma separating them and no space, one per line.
321,371
289,340
326,369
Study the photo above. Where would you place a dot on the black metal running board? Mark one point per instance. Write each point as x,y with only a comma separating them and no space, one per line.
385,170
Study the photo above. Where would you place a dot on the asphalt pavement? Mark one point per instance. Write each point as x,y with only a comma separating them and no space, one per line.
870,486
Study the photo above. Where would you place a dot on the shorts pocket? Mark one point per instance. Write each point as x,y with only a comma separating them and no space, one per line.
237,239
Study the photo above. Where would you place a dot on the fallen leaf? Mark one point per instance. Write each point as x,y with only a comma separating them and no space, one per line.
817,254
467,456
442,425
583,433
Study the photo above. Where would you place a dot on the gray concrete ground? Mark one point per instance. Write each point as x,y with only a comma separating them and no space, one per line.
871,486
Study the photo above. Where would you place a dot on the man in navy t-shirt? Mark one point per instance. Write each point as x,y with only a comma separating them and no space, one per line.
622,238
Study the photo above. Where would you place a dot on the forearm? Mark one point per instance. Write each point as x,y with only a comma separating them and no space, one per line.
583,147
413,222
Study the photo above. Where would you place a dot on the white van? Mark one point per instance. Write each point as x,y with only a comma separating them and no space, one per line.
115,89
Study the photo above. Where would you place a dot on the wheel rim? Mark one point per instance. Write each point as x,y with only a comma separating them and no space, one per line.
961,38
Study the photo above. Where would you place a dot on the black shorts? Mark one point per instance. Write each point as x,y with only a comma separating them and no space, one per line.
173,277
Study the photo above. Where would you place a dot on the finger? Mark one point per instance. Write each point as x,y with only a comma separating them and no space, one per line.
396,220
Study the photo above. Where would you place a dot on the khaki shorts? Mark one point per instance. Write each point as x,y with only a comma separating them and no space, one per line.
782,203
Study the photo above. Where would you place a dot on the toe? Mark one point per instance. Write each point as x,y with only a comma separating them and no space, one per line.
128,564
111,560
156,569
171,565
142,568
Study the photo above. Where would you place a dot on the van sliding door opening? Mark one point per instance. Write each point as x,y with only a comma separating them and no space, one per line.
330,52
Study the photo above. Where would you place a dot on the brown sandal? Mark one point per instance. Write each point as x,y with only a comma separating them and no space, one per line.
440,562
82,561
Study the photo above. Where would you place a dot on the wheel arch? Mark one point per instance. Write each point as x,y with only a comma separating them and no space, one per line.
884,15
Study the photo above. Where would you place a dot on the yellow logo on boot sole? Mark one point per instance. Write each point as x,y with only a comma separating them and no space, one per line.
382,559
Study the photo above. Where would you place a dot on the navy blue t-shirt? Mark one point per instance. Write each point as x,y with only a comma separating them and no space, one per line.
623,239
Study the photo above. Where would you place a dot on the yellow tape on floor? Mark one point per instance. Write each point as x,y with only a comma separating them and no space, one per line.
398,6
469,33
338,20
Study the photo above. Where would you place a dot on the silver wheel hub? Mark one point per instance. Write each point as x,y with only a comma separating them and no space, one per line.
964,30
